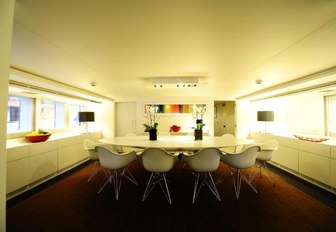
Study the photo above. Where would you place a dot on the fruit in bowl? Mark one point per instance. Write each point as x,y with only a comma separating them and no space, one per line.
175,128
39,136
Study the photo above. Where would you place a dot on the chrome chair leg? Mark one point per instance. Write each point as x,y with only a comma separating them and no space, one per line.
212,186
268,174
153,180
149,187
220,179
109,178
95,170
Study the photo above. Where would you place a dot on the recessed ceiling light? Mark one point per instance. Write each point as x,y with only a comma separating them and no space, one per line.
157,85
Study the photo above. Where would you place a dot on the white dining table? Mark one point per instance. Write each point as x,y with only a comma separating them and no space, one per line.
175,143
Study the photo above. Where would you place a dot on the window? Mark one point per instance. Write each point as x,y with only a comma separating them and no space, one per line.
52,115
330,115
73,115
19,114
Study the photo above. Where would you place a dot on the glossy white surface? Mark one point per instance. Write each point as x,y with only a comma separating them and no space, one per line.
177,143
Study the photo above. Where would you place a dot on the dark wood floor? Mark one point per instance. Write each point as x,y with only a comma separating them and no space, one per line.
72,204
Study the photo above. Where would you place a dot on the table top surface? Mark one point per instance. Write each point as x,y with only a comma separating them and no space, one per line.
176,142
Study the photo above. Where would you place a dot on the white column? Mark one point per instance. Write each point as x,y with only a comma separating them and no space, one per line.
6,26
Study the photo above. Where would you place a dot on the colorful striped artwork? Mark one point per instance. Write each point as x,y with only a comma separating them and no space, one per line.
173,108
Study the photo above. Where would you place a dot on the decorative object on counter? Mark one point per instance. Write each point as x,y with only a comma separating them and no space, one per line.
39,136
310,139
198,113
175,128
152,134
265,116
199,129
198,135
86,117
152,117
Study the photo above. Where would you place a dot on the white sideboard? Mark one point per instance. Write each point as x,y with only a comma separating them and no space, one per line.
30,164
312,161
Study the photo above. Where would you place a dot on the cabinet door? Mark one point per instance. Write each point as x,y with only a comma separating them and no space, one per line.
315,166
287,156
17,174
333,173
43,165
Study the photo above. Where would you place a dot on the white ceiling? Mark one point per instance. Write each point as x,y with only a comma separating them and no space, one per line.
119,44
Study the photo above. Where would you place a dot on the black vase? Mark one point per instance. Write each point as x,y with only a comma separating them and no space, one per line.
152,134
198,135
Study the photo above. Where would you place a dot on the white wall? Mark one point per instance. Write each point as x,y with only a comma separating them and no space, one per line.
301,113
6,24
104,117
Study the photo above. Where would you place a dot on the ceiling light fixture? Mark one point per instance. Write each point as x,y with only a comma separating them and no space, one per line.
180,85
173,81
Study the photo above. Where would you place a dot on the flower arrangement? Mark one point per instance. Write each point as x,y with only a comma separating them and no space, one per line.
152,116
198,113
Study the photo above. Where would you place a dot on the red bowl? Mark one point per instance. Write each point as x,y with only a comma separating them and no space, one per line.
175,128
38,138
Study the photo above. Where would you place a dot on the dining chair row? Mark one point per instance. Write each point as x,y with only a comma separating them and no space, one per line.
114,166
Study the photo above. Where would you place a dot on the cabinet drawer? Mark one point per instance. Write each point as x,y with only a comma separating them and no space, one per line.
17,153
39,148
333,152
70,141
315,148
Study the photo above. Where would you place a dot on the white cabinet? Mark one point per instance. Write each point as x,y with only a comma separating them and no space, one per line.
29,164
315,162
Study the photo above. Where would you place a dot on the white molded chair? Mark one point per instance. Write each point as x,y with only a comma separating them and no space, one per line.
229,138
202,163
158,162
93,154
265,155
240,162
116,165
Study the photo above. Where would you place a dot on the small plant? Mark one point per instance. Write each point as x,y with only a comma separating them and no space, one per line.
152,117
199,126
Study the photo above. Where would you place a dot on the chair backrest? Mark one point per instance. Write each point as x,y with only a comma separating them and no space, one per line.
267,149
271,144
244,159
205,160
90,146
113,160
229,138
157,160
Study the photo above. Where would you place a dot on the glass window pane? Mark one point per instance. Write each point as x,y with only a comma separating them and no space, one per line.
331,115
73,115
52,115
19,114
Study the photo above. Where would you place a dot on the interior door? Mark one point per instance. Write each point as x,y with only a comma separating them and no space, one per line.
125,118
225,118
